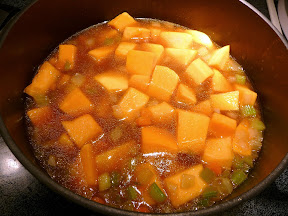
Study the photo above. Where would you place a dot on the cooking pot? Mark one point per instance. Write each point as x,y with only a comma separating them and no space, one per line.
255,44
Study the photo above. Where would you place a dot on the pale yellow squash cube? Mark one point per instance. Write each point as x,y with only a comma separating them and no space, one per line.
185,95
183,57
176,40
123,49
155,48
225,101
246,96
112,81
101,53
220,57
201,38
220,83
136,33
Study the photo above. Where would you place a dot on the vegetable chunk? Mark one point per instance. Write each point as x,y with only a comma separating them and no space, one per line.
112,81
203,107
178,40
139,82
163,83
198,71
221,125
241,143
181,195
226,101
192,131
101,53
67,55
82,129
140,62
200,38
220,57
154,48
220,83
155,139
161,113
183,57
121,21
40,116
135,33
185,95
246,96
123,49
76,103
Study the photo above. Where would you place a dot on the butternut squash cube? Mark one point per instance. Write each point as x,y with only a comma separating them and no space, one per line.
221,125
203,107
123,49
139,82
225,101
156,139
76,103
179,195
201,38
44,80
163,83
241,139
220,57
101,53
183,57
82,129
192,131
89,165
198,71
67,55
161,112
176,40
140,62
154,48
40,116
220,83
112,81
246,96
65,141
155,33
121,21
116,158
219,152
131,103
185,95
136,33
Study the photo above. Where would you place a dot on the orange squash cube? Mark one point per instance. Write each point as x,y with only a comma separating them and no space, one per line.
65,141
136,33
101,53
225,101
163,83
76,103
246,96
140,62
183,57
219,152
154,48
203,107
40,116
67,55
121,21
198,71
139,82
123,49
161,113
220,57
82,129
220,83
241,139
112,81
192,131
156,139
221,125
176,40
185,95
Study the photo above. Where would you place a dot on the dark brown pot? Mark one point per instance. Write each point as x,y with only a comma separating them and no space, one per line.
256,46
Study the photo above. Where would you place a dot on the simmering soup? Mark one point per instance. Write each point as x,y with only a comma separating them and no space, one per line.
144,115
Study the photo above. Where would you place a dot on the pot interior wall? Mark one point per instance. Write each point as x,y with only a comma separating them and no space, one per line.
254,45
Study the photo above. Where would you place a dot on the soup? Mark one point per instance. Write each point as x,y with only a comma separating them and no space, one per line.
144,115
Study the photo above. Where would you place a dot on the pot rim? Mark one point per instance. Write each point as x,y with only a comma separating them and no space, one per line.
94,206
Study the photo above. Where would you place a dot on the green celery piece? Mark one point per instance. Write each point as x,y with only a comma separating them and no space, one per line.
41,100
209,192
248,111
204,202
258,124
132,193
115,178
67,65
240,79
104,181
207,175
238,176
156,193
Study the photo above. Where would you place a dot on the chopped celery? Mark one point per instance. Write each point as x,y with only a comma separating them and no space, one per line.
209,192
115,178
104,181
257,124
132,193
207,175
244,163
156,193
109,41
225,186
248,111
116,134
78,79
204,202
41,100
238,176
67,65
240,79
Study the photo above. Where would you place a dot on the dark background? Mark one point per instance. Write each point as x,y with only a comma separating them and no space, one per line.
21,194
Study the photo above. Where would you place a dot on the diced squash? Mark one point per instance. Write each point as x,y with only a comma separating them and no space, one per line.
112,81
131,103
246,96
140,62
185,95
65,141
136,33
121,21
40,116
66,56
219,152
115,158
145,118
156,139
101,53
200,38
241,143
76,103
220,57
163,83
179,195
198,71
155,33
203,107
183,57
220,83
161,113
225,101
123,49
89,165
176,40
154,48
221,125
82,129
139,82
44,80
192,131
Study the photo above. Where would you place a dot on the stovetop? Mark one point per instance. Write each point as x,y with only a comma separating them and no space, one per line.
22,194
